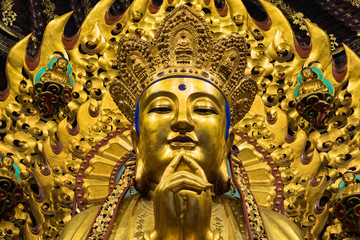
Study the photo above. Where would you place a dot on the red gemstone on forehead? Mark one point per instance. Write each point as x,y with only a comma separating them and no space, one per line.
182,87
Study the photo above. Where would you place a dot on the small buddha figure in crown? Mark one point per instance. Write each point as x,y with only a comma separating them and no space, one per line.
53,91
183,48
182,139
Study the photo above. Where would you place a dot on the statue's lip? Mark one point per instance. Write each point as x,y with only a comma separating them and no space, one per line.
182,141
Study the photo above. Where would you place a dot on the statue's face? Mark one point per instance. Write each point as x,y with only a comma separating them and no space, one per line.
181,114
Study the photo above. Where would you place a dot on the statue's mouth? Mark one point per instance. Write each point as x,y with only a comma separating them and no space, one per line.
182,141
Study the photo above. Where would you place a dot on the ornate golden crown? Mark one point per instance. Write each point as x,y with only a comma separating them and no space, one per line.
183,46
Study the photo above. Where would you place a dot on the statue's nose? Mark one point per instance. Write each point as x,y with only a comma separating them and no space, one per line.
182,123
182,126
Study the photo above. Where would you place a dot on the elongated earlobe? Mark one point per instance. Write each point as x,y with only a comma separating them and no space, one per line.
134,139
141,181
230,139
223,183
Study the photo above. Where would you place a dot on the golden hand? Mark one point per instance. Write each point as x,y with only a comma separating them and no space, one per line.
182,203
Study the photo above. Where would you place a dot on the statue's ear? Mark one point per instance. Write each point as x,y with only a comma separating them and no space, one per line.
222,183
134,139
230,139
141,182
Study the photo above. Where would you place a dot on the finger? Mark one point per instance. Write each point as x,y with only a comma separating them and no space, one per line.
188,184
172,180
182,174
195,167
175,180
173,165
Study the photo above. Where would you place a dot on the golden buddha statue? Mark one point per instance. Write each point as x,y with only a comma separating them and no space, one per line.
186,90
198,164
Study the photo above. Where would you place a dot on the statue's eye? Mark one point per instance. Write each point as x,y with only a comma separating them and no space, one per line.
205,111
160,109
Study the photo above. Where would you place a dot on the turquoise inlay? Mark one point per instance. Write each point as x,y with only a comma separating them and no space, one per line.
300,78
69,69
51,62
135,191
341,186
296,93
229,192
71,81
121,171
329,86
319,73
39,73
17,170
128,192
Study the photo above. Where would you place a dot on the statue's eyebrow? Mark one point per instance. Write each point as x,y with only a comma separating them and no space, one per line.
159,93
214,99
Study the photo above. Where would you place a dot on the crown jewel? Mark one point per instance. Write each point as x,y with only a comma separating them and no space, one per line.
183,46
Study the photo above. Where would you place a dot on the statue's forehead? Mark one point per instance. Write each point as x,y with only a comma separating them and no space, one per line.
180,87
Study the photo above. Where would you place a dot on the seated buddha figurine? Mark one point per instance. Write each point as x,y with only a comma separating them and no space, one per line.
182,91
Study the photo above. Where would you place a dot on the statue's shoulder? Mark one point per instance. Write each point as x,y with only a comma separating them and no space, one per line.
279,226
